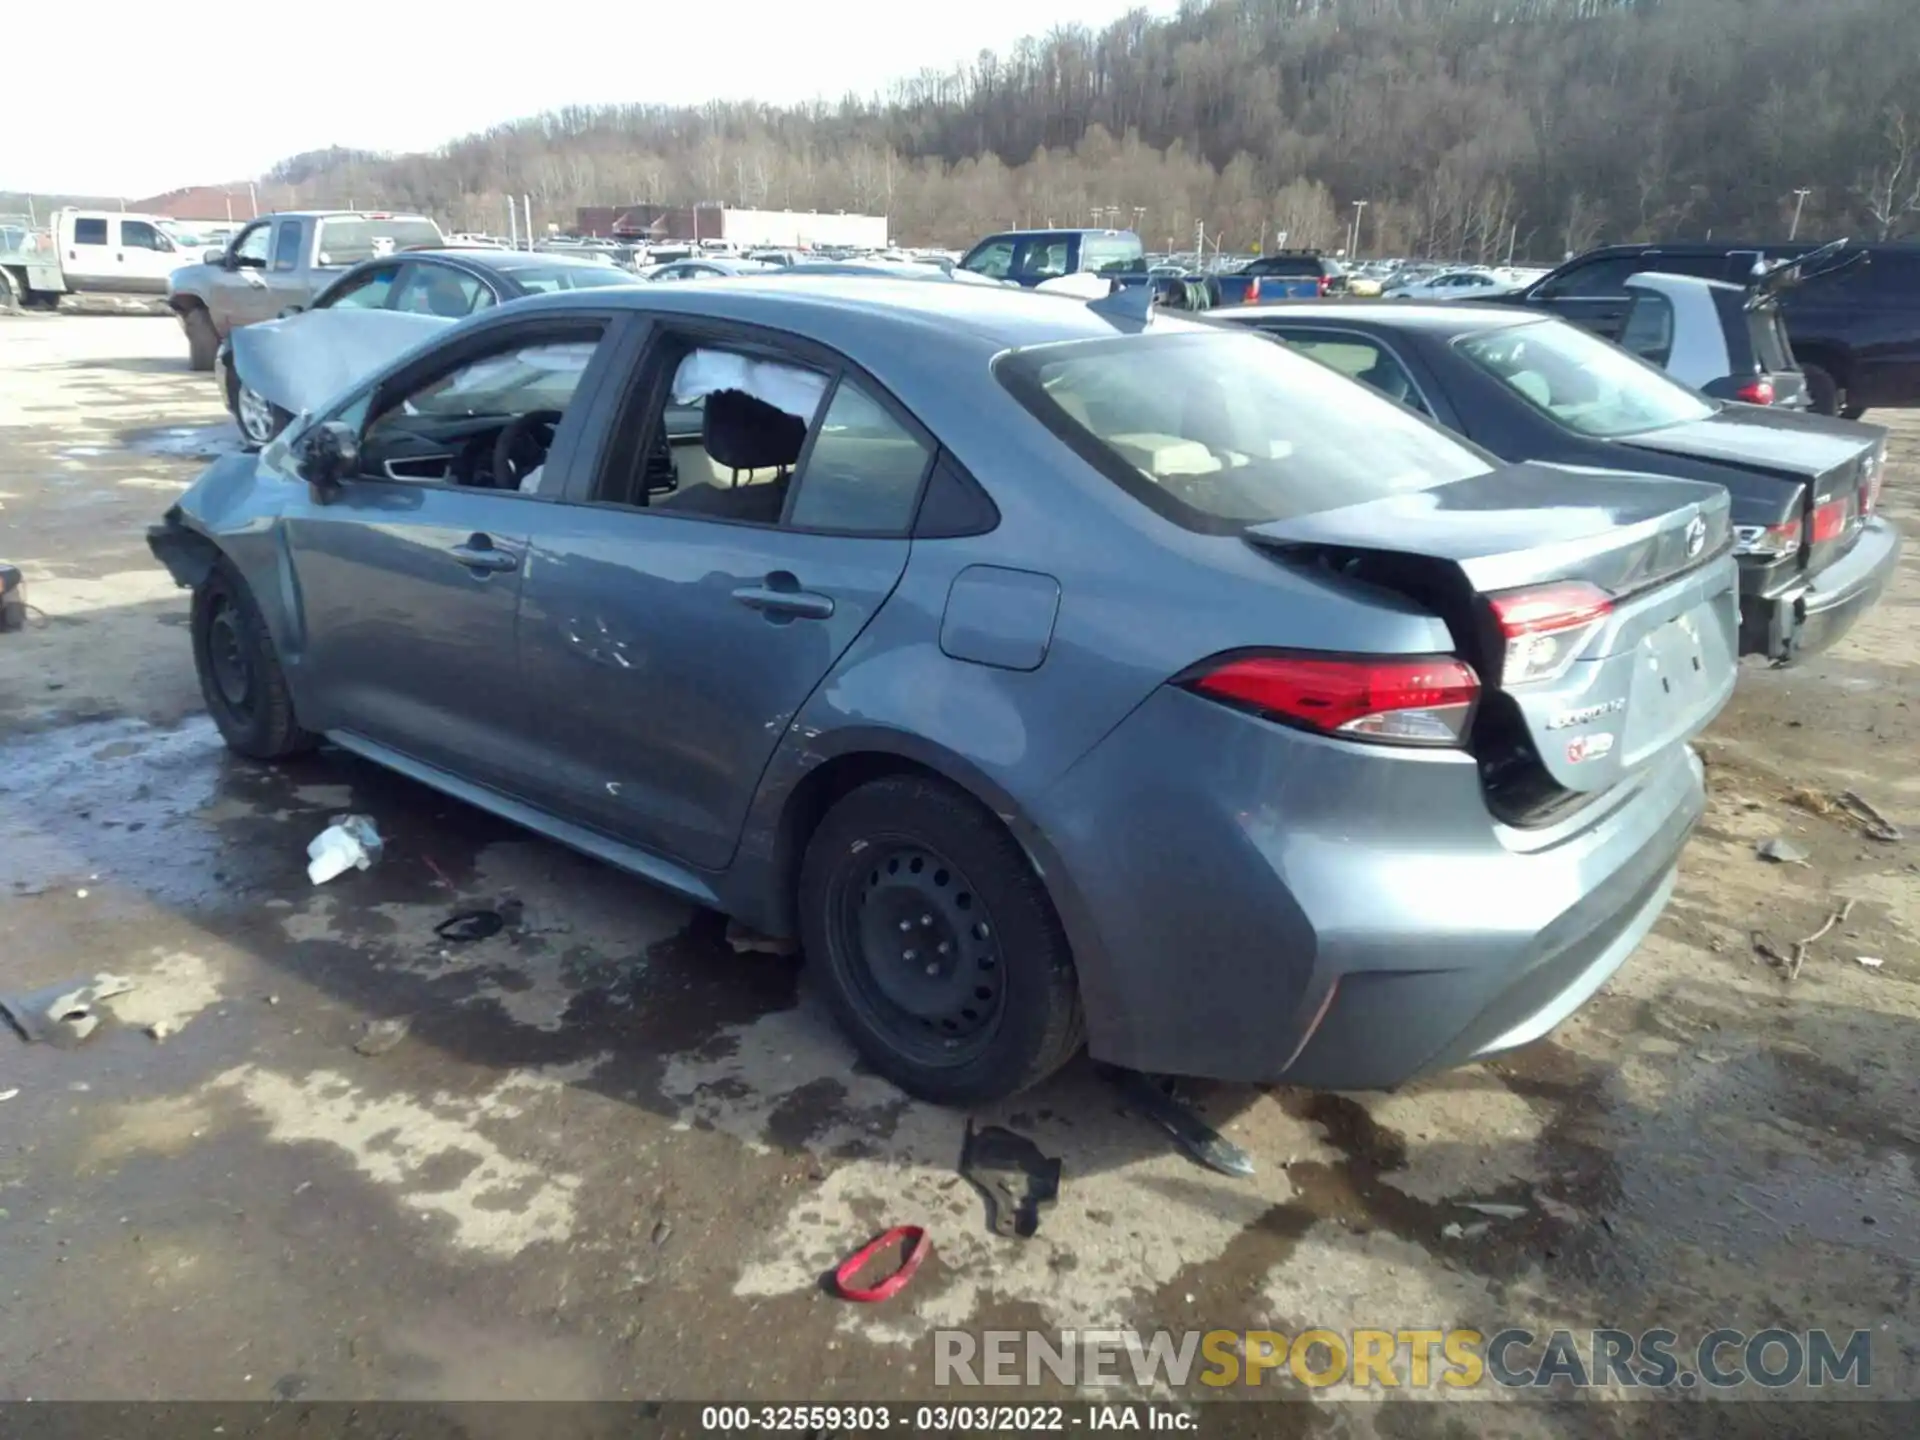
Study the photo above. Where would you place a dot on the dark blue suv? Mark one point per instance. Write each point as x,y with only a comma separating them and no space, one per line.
1027,257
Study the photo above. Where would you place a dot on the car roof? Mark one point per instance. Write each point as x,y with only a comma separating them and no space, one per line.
839,310
506,261
1652,279
1447,318
333,215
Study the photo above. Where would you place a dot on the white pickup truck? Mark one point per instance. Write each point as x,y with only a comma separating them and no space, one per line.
89,252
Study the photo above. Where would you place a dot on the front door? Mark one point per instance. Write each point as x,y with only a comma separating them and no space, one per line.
409,580
681,610
239,293
147,257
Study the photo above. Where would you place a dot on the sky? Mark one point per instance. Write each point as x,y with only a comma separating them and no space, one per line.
404,78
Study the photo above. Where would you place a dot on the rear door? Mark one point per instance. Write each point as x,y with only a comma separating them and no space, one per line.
89,262
409,581
682,609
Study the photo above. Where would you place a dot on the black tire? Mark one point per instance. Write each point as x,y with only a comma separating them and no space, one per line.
1822,392
910,852
203,341
240,675
43,300
9,294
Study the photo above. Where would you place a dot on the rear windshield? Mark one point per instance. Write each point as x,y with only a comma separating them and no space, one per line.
1112,254
349,241
1291,265
1221,430
1588,385
538,281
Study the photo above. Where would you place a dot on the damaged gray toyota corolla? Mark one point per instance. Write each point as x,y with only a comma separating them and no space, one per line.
1050,673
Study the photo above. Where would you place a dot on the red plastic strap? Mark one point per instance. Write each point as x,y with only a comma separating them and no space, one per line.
920,1248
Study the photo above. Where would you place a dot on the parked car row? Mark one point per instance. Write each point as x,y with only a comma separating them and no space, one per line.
1290,612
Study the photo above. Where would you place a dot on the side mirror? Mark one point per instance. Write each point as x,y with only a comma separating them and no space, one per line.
214,256
289,311
326,457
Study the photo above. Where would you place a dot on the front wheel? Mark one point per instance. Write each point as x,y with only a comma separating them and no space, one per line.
9,294
259,419
203,341
240,675
939,947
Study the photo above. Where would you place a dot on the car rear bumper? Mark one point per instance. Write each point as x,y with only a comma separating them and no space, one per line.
1809,618
1252,903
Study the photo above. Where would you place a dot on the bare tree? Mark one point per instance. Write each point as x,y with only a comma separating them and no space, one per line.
1891,189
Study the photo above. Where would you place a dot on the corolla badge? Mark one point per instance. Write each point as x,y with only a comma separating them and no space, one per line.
1696,536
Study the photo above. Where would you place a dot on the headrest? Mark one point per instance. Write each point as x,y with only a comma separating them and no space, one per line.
743,433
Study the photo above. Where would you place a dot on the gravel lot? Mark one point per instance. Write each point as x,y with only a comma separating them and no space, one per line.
612,1158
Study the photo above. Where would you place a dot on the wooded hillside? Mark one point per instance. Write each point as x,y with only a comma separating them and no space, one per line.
1462,123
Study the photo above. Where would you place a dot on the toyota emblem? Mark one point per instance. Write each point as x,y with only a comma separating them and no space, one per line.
1696,536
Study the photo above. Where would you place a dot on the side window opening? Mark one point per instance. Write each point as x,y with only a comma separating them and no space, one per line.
740,435
723,439
438,290
489,423
251,251
1359,358
286,246
90,232
1648,332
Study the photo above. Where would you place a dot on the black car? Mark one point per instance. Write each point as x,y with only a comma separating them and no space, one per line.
1813,554
1855,327
448,283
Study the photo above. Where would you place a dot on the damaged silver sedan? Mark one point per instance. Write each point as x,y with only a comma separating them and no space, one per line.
269,373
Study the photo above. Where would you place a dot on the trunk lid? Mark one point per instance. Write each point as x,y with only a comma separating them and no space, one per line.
1759,437
1650,670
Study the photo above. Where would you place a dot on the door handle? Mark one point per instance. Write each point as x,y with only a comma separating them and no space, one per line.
780,598
479,555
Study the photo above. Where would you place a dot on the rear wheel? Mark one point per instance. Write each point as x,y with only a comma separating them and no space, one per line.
9,294
203,341
1822,393
240,675
940,950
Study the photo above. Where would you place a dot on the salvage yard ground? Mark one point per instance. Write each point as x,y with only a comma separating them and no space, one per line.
613,1158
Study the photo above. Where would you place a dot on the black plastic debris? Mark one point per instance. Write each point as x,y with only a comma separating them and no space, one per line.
1013,1174
1157,1099
464,926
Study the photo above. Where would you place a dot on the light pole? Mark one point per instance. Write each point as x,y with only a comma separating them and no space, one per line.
1353,245
1799,199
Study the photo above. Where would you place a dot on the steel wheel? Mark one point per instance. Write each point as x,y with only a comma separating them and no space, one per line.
227,659
255,414
924,953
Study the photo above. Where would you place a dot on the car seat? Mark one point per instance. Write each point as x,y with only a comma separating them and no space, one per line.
744,433
1388,378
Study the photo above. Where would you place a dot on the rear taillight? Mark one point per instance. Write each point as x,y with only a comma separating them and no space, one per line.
1870,478
1781,539
1756,392
1323,285
1253,289
1393,701
1829,520
1546,627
